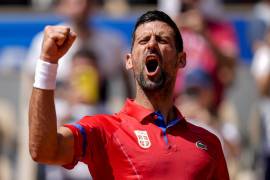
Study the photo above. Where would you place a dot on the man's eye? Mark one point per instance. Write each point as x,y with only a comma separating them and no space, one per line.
143,41
162,41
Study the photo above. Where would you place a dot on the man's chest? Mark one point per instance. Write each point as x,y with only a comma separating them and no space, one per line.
148,151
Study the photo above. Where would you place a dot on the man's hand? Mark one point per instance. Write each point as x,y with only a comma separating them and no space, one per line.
57,40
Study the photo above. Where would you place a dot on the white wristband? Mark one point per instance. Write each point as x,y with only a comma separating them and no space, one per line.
45,76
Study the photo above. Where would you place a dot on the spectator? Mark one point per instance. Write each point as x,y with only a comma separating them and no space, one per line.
7,140
260,67
259,23
262,12
196,102
211,43
84,88
260,121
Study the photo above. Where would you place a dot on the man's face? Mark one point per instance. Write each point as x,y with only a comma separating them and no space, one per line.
154,58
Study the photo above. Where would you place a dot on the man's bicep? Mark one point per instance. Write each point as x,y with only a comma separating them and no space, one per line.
65,153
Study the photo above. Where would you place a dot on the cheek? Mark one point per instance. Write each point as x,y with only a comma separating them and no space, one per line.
137,59
135,65
170,59
138,53
168,52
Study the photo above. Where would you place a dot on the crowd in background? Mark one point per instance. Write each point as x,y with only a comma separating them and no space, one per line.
92,79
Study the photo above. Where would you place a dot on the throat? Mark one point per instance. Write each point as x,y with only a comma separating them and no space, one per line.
157,100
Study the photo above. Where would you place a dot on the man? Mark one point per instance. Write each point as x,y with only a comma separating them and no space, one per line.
148,138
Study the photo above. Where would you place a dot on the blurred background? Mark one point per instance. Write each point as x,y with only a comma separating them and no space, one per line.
225,87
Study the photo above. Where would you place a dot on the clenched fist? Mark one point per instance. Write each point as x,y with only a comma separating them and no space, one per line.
56,42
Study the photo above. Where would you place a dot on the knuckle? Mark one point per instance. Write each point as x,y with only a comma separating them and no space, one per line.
50,35
66,30
47,28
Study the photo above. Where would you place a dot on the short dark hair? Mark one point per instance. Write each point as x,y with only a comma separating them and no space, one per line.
156,15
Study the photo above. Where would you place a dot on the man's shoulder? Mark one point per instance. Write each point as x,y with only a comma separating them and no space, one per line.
100,122
204,133
100,119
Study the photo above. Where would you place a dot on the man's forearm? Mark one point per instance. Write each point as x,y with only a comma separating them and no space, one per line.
45,143
42,124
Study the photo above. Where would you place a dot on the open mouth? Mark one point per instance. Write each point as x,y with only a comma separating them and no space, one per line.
152,66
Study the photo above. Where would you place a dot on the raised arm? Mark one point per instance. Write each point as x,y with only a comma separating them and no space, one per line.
46,143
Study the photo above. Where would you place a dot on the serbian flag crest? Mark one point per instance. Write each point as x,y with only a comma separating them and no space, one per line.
143,139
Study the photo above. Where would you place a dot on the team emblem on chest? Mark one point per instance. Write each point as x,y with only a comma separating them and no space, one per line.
143,138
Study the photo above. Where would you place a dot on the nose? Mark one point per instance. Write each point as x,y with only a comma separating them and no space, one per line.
152,43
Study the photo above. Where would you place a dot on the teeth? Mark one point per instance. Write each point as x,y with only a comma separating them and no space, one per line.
152,59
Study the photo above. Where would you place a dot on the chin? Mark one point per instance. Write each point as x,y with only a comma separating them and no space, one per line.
152,87
149,85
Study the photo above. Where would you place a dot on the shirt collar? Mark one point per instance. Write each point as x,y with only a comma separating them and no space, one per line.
140,113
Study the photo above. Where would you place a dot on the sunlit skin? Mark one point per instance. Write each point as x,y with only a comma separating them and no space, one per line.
154,90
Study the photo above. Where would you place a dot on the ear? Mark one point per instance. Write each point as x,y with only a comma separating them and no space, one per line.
181,60
129,64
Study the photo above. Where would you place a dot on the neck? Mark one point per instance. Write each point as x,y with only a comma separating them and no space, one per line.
157,100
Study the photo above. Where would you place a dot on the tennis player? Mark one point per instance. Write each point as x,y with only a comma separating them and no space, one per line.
148,138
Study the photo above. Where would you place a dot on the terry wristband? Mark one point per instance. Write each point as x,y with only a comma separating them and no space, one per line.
45,75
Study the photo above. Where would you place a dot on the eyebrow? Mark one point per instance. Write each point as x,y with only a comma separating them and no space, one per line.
161,34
